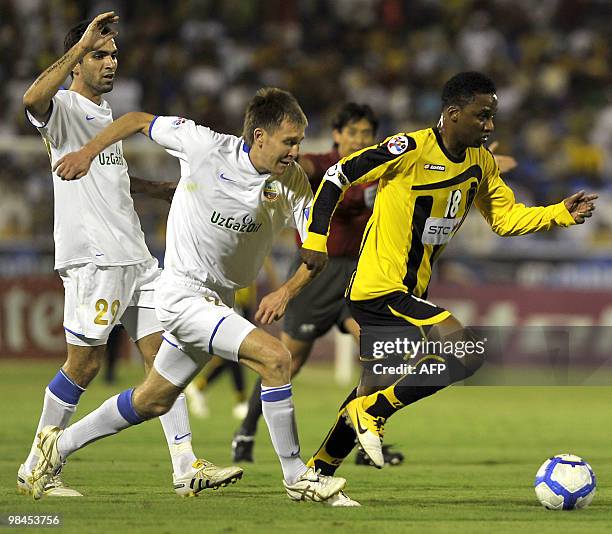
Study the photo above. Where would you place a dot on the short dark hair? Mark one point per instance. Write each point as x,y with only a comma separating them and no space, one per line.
267,110
352,112
461,89
74,34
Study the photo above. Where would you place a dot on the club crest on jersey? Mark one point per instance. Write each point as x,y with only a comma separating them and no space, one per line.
434,167
270,192
397,144
177,122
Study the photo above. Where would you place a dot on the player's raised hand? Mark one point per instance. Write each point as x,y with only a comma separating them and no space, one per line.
315,261
98,32
505,163
74,165
580,205
272,307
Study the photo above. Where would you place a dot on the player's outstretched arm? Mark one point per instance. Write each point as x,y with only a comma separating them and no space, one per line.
496,202
76,164
272,307
37,99
581,205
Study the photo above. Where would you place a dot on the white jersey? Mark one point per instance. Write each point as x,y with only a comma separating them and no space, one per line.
224,214
94,221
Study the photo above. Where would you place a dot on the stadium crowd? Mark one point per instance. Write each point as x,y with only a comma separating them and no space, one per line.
203,59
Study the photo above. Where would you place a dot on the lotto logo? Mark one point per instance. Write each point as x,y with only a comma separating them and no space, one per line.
397,144
176,123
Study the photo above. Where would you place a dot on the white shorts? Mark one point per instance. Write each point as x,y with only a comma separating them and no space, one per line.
98,298
200,321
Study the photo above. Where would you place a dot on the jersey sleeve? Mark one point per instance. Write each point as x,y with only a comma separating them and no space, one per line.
179,135
495,200
55,129
301,203
383,161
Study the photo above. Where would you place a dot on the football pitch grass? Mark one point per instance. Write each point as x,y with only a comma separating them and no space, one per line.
471,457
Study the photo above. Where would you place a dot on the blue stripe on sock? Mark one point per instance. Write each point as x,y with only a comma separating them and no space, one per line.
126,408
65,389
275,394
210,346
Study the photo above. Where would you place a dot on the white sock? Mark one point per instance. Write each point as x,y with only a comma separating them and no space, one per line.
178,435
55,412
113,415
278,411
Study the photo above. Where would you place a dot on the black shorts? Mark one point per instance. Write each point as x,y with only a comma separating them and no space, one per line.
395,315
321,303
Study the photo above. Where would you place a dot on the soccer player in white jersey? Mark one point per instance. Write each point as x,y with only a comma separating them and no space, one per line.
235,194
100,251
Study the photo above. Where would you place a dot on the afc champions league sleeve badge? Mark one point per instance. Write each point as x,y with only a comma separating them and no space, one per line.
397,144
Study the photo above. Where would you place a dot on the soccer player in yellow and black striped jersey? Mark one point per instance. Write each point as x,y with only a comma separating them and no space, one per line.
428,181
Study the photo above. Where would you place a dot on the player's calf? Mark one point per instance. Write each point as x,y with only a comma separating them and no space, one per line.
83,363
155,396
467,352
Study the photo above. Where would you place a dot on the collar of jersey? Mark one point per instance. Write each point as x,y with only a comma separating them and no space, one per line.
443,148
103,108
251,173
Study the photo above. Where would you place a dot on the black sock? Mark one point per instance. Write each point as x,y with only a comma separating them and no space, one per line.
337,445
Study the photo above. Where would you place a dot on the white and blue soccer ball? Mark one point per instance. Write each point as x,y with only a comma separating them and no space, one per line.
565,482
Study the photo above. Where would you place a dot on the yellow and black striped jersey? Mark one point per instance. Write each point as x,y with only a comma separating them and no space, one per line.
423,197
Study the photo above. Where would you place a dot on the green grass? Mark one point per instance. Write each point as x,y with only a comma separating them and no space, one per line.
471,456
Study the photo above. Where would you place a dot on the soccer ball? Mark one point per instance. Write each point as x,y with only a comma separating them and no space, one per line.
565,482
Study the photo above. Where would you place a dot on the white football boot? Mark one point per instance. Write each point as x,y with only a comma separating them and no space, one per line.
205,475
312,486
54,488
50,462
